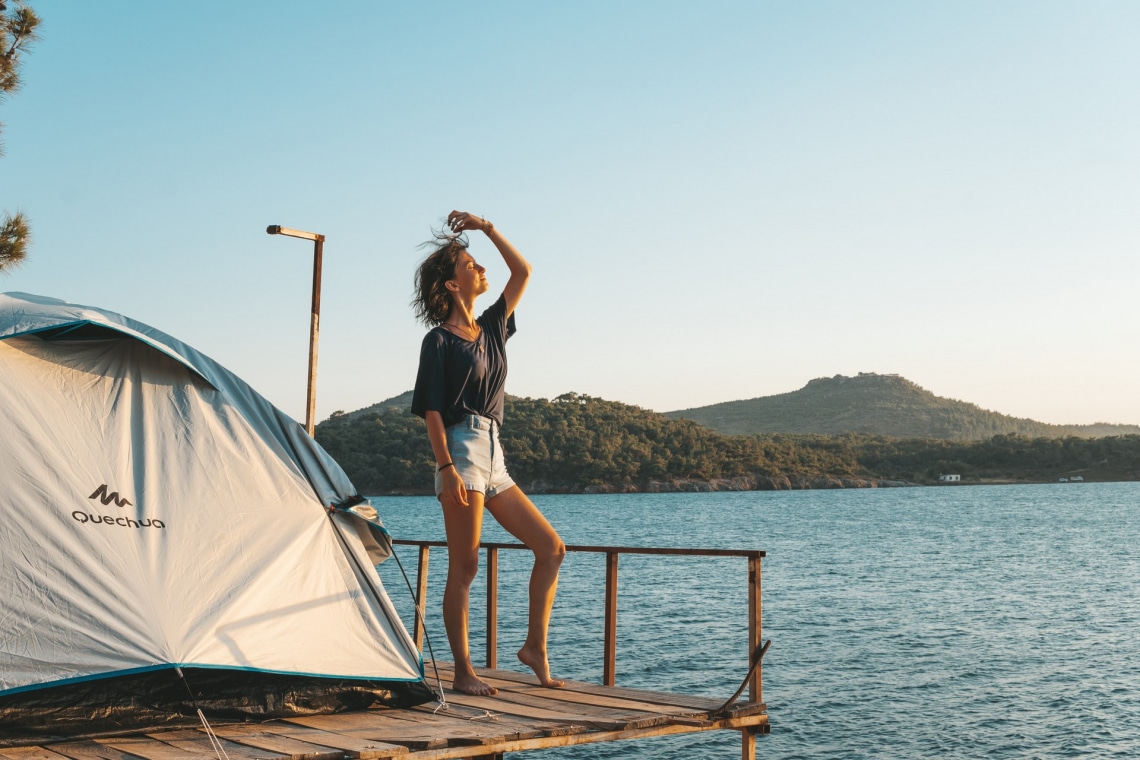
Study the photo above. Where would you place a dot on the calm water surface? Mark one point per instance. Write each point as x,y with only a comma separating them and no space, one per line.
956,622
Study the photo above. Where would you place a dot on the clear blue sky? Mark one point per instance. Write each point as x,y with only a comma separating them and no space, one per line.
721,200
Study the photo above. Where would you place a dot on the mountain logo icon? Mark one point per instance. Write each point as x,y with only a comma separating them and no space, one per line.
102,495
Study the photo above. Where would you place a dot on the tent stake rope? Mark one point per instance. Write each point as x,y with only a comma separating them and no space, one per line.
215,742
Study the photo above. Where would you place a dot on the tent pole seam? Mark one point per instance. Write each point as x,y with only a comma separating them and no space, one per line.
392,551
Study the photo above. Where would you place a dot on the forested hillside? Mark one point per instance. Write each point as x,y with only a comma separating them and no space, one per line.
880,405
576,444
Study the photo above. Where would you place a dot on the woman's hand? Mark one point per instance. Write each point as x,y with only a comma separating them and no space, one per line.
461,221
452,491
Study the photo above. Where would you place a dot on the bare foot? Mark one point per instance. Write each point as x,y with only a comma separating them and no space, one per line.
473,686
536,661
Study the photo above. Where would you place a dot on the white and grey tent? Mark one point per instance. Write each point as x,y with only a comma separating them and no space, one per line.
170,540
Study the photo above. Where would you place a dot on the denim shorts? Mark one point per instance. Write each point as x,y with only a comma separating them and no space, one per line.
473,443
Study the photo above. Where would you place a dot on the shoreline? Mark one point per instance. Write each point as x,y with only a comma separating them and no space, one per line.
759,483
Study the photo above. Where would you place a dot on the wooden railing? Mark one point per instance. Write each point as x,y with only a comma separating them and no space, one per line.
609,668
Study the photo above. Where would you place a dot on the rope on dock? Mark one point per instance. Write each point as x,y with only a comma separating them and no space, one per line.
756,657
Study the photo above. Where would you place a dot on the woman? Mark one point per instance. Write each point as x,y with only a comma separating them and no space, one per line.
459,393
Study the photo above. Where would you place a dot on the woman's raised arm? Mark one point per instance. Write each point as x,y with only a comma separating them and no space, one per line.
461,221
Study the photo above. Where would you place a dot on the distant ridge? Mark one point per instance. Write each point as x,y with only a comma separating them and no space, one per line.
402,403
887,405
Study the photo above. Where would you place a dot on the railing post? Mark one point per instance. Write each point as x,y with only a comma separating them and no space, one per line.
421,597
609,668
755,685
492,607
747,744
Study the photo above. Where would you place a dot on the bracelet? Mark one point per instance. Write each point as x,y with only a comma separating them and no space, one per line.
442,467
487,226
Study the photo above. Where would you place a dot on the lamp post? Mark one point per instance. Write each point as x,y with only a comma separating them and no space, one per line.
314,321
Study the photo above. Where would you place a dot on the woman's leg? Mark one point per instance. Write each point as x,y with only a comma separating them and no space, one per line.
463,526
515,512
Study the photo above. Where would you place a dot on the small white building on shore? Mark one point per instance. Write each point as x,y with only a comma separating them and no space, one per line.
949,478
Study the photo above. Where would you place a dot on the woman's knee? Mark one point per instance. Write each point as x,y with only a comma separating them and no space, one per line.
462,569
551,552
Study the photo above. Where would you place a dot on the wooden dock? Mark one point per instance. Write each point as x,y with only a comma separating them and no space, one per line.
522,716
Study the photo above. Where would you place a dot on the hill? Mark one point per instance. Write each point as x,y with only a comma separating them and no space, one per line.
887,405
569,444
576,444
401,403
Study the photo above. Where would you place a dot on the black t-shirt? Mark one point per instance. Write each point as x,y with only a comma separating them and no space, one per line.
458,377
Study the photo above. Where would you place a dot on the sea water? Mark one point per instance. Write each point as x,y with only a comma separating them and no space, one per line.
948,622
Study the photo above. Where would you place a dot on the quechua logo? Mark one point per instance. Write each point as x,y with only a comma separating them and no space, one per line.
102,495
107,497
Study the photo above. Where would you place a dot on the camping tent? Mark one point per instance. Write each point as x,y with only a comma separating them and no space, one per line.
170,540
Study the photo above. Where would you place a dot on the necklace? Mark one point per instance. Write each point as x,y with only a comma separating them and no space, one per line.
465,332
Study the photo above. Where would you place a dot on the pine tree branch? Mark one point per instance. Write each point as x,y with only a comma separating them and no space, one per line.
14,235
19,31
22,26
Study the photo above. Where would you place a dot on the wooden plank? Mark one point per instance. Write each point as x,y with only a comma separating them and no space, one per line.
526,706
744,709
547,727
354,747
487,735
595,700
452,721
495,705
604,702
461,730
29,753
90,751
453,753
609,718
375,726
141,746
659,697
198,743
441,721
686,701
496,733
259,738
